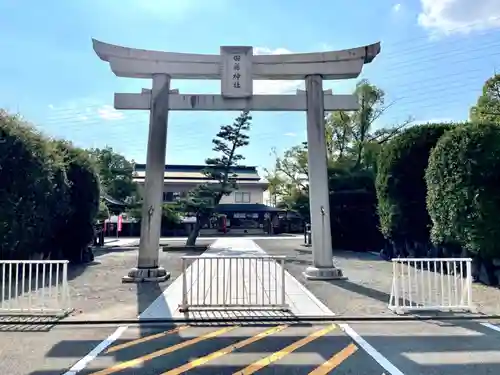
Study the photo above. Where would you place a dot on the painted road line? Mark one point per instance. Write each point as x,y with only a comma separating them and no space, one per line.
374,353
228,349
82,363
256,366
140,360
144,339
491,326
335,360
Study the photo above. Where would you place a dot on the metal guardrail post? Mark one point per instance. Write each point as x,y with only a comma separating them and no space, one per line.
283,292
307,235
184,305
66,296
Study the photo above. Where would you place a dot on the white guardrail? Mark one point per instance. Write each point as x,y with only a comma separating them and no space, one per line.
431,284
32,287
233,283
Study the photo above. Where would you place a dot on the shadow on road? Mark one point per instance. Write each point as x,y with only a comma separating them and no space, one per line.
426,354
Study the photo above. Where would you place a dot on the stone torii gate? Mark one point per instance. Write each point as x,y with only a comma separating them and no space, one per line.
236,67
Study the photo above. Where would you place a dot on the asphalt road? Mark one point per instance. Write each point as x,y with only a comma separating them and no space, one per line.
221,350
428,348
415,348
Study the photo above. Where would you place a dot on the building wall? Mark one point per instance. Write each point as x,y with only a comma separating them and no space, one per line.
246,193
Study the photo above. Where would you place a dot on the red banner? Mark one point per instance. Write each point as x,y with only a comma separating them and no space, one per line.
120,220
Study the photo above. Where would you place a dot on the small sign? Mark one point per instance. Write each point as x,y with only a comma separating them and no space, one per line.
236,72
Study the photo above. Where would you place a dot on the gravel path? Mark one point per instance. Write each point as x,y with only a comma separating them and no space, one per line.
98,292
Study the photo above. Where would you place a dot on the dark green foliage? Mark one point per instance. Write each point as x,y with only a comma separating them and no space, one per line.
46,188
463,182
103,212
84,195
299,203
30,173
400,183
116,174
353,211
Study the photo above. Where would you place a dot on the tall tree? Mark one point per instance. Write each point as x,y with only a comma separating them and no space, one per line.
351,143
338,135
202,201
487,108
116,173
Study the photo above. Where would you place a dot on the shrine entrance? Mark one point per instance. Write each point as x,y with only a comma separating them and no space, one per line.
236,68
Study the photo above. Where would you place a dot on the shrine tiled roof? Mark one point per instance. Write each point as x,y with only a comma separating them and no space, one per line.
195,172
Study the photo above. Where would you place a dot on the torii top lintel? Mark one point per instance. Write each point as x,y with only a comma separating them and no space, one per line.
139,63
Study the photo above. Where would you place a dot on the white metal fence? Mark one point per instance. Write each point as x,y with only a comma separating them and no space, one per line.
431,284
32,287
233,283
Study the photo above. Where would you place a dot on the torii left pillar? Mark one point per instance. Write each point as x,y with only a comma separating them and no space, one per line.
148,268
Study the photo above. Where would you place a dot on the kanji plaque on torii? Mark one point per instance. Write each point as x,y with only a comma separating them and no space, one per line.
236,72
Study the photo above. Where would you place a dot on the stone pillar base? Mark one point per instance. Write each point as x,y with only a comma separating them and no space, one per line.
314,273
144,275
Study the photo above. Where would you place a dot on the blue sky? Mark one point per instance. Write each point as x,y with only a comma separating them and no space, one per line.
436,54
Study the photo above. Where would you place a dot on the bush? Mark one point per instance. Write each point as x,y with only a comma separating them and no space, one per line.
463,179
49,194
84,196
353,210
400,183
33,190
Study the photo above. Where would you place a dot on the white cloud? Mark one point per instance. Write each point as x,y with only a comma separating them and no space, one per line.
274,87
290,134
396,8
51,106
459,16
107,112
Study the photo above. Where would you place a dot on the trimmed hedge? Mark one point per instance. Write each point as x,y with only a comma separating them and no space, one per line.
41,192
353,211
83,196
400,183
463,198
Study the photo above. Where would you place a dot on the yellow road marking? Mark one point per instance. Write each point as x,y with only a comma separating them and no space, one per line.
144,339
335,360
140,360
228,349
256,366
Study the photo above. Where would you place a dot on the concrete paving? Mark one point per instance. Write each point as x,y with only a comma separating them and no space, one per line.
214,279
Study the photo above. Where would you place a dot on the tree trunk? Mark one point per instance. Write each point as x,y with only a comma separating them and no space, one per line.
193,235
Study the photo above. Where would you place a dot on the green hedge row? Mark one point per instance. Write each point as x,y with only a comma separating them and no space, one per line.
400,183
441,183
353,211
49,194
463,183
